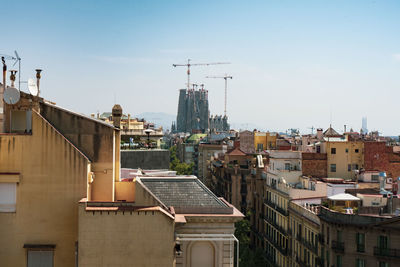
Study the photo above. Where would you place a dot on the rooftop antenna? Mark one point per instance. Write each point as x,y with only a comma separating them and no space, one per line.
188,65
225,77
16,59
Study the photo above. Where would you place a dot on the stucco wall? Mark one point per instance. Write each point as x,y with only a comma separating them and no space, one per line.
125,238
95,139
53,177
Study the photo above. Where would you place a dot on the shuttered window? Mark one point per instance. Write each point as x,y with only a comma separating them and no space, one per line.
38,258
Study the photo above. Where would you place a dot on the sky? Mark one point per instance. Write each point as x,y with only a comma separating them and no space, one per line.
295,64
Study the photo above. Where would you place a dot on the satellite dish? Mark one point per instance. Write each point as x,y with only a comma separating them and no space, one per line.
32,86
11,95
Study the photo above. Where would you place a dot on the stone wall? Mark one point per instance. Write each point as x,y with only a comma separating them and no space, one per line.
153,159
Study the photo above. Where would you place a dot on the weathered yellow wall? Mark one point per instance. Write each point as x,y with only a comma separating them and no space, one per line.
343,158
266,138
95,139
53,180
125,191
125,239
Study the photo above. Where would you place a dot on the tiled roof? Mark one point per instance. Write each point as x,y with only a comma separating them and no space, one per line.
184,192
331,132
236,152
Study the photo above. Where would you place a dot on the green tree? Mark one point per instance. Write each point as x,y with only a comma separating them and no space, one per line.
175,164
247,256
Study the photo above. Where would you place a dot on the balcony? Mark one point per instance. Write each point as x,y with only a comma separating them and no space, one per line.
387,252
276,207
270,239
337,246
310,246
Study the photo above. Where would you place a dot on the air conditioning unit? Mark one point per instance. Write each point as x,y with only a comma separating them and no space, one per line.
389,180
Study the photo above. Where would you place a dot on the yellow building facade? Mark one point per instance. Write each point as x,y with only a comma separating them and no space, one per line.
264,141
344,156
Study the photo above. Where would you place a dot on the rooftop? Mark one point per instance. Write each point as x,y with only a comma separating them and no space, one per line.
185,194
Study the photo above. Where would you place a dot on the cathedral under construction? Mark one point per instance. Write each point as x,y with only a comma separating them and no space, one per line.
194,114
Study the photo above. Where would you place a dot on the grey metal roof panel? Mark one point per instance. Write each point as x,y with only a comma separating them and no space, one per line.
182,192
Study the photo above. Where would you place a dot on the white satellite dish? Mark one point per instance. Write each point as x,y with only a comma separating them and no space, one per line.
32,86
11,95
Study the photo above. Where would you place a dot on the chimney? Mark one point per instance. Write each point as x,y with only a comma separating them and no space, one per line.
319,133
12,77
116,115
92,115
344,128
129,121
2,89
38,76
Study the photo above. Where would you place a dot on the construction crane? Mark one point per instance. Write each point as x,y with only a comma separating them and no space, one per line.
225,77
188,65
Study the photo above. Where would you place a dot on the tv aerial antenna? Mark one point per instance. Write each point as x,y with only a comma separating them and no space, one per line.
16,59
188,65
225,77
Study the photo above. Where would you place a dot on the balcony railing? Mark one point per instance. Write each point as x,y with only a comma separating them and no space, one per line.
276,207
387,252
337,246
271,239
310,246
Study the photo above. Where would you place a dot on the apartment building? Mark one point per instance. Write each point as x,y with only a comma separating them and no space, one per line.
63,202
359,240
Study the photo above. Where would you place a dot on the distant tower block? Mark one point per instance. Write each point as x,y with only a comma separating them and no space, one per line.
364,127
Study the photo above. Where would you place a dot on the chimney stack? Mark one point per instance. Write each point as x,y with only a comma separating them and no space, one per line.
116,115
12,77
2,89
38,76
319,133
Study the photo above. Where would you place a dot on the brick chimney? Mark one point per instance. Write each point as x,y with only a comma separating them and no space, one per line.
116,115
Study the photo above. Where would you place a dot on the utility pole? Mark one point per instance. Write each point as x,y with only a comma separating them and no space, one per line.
188,65
225,77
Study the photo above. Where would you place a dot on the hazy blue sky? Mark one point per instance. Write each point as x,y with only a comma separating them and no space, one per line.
294,62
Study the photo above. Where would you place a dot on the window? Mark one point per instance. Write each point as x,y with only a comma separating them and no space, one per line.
383,241
338,260
40,255
347,150
349,167
356,150
8,197
260,147
383,264
360,242
333,150
360,263
355,166
287,166
333,167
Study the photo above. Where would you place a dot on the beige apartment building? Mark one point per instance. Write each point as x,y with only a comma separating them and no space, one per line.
63,203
